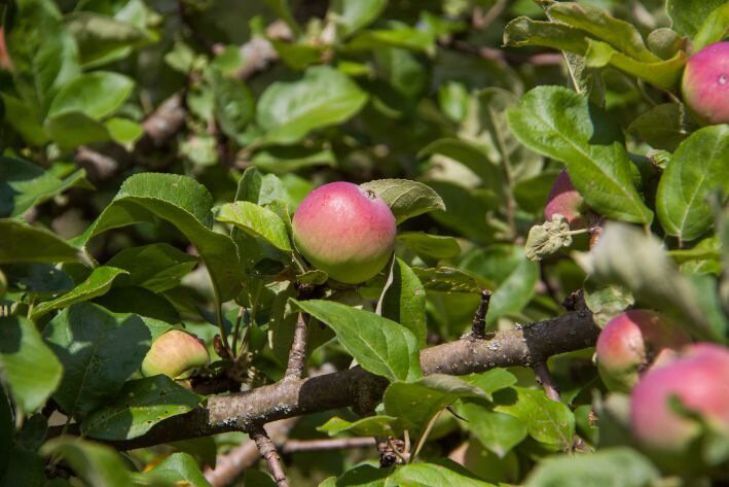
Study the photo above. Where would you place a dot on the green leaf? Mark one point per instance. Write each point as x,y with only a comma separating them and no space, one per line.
379,425
713,29
72,129
626,257
688,15
285,159
379,345
24,185
399,36
415,403
561,124
352,15
24,243
96,95
187,205
491,381
24,468
44,54
662,73
287,112
621,35
102,39
404,301
98,283
139,406
613,466
699,166
95,463
359,476
430,246
178,469
124,131
549,422
406,198
434,475
449,280
24,118
256,221
663,126
468,154
27,365
523,31
157,267
99,351
509,272
234,106
497,432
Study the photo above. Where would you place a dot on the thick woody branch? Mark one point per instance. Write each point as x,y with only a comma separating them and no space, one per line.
361,390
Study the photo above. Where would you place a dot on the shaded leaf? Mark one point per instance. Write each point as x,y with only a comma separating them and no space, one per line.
20,242
157,267
99,351
27,365
430,246
139,406
404,301
98,283
95,463
379,425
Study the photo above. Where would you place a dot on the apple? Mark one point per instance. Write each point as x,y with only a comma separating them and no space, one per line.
630,342
175,354
698,378
565,200
705,84
346,231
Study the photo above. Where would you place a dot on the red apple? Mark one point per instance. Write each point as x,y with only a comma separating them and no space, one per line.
565,200
346,231
705,84
630,342
175,354
699,379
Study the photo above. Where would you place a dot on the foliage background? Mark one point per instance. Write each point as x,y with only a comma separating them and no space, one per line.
260,102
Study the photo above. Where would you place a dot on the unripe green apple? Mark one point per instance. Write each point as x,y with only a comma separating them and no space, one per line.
699,379
346,231
630,342
175,354
705,84
565,200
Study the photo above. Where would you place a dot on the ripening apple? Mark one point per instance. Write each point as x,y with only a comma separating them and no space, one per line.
565,200
346,231
705,84
698,379
630,342
175,354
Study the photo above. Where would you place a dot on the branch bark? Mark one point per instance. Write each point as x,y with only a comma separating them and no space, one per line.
361,390
268,452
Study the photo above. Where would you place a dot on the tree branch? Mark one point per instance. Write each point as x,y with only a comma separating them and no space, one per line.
268,452
297,355
361,390
294,446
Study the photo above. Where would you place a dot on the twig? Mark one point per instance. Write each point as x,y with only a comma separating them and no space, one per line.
295,446
268,452
297,355
357,388
229,466
545,378
478,328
